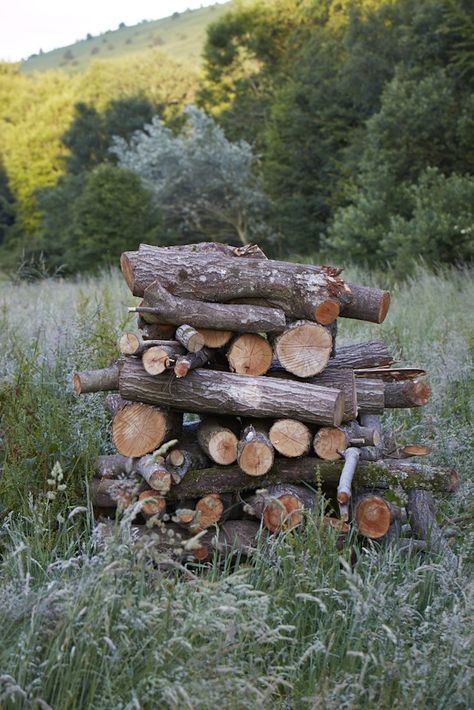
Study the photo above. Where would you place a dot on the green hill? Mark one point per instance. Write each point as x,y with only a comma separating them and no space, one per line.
181,36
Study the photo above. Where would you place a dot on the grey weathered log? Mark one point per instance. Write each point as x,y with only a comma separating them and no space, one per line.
381,474
227,393
375,452
113,466
102,380
344,486
302,291
189,338
208,314
421,513
359,435
192,361
361,355
370,396
370,304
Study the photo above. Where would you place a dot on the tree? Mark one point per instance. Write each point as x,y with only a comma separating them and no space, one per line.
203,184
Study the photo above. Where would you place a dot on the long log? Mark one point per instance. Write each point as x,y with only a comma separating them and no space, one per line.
381,474
226,393
412,393
301,291
102,380
207,314
362,355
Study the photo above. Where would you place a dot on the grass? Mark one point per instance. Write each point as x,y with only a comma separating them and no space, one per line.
300,626
181,37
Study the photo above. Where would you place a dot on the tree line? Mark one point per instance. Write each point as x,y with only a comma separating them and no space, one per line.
342,129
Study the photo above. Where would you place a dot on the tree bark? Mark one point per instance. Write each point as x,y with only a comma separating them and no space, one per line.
208,314
255,453
362,355
370,396
421,513
301,291
113,466
290,437
250,354
412,393
132,344
190,338
220,393
110,493
375,451
359,435
369,304
381,474
219,440
191,361
96,380
153,470
304,348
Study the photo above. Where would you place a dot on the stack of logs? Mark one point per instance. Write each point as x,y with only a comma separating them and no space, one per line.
233,410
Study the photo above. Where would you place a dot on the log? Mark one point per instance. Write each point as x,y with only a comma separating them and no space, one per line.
421,514
187,453
132,344
280,507
304,348
207,314
329,443
191,361
413,393
255,454
370,396
153,470
209,510
113,466
375,451
189,338
390,374
369,304
413,450
301,291
220,393
159,358
372,516
250,354
153,505
219,440
362,355
110,493
215,338
102,380
351,460
359,435
290,437
380,474
155,331
138,428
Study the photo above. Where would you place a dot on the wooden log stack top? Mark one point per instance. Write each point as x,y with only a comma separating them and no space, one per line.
246,346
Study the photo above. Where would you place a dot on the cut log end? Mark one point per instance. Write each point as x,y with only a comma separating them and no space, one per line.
156,360
372,516
210,509
138,429
327,312
283,513
215,338
250,354
290,437
384,306
76,383
223,447
256,458
329,443
415,450
420,392
129,344
153,504
304,348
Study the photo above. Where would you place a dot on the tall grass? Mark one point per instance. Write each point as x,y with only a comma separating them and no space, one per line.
300,626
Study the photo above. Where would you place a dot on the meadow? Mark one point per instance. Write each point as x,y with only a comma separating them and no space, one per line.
299,625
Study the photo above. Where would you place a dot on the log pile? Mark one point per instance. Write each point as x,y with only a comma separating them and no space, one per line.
233,409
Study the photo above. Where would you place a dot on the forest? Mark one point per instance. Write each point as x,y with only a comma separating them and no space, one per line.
338,130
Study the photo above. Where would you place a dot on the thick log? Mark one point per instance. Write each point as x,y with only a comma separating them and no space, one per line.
159,358
372,515
329,443
304,348
280,507
255,454
219,440
301,291
290,437
362,355
191,361
102,380
370,304
250,354
380,474
207,314
370,396
153,505
139,429
421,513
414,393
226,393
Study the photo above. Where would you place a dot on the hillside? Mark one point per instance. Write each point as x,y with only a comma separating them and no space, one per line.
181,36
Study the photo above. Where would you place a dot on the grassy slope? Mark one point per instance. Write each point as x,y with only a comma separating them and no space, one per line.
182,38
298,627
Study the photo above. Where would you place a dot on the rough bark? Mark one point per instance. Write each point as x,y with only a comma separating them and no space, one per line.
304,348
359,435
380,474
156,331
421,513
113,466
370,396
250,354
290,437
362,355
207,314
219,440
369,304
255,454
96,380
329,443
190,338
412,393
187,454
390,374
220,393
132,344
153,470
191,361
111,493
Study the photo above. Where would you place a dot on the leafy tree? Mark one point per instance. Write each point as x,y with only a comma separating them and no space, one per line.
203,184
7,205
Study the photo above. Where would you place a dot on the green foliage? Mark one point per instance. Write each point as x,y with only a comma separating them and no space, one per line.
202,183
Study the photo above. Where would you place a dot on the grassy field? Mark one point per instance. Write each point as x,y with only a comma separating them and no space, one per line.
182,37
298,626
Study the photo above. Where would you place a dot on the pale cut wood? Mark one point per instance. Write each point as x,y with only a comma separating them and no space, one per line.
255,454
159,358
152,504
132,344
329,443
414,450
362,355
190,338
379,474
102,380
138,428
219,441
297,289
280,507
304,348
370,396
413,393
215,338
191,361
290,437
209,510
372,516
220,393
351,460
250,354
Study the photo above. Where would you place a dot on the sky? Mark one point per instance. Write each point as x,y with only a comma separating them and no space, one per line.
28,25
